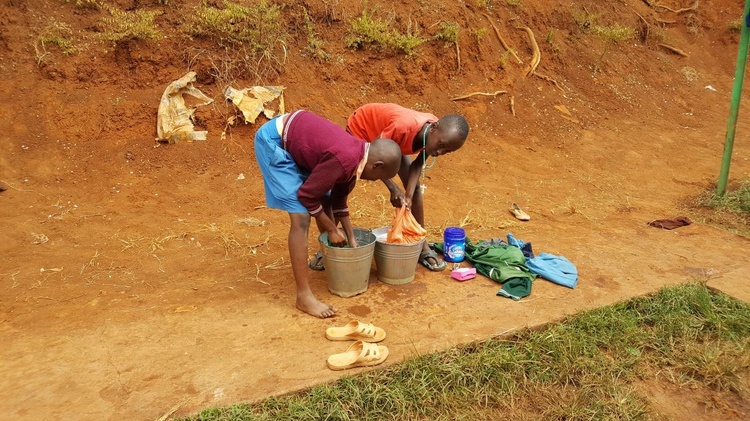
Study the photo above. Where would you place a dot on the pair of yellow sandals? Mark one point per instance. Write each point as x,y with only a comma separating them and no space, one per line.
363,352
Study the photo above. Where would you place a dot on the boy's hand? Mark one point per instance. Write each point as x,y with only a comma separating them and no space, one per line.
398,198
353,243
337,238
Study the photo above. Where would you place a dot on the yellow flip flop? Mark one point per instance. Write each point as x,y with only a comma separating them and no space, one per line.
356,331
359,354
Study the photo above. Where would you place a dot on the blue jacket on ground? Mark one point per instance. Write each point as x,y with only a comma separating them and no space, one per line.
554,268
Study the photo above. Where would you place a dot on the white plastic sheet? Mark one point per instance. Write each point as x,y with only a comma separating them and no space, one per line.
255,100
174,122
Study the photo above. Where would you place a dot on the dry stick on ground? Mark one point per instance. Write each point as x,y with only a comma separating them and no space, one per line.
674,49
550,80
666,22
502,41
496,93
458,57
678,11
645,28
536,57
513,105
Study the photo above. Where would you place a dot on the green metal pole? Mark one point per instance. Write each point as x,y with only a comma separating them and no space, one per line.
739,76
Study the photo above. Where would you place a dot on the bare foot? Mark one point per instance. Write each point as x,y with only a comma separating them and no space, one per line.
310,305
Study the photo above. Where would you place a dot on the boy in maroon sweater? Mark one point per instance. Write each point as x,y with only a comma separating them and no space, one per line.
304,158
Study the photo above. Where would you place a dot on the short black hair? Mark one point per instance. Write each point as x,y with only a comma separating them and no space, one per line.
456,123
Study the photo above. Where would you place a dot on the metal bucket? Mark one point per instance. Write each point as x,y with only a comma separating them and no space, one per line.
348,269
396,263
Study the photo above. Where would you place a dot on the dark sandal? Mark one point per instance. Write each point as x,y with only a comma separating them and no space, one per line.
316,263
427,254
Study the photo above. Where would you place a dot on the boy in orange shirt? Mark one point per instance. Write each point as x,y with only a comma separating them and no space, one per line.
416,133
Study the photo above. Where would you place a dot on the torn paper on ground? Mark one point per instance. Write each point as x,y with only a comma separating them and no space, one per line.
256,100
175,119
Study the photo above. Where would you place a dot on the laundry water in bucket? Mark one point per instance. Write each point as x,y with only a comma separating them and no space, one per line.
348,269
454,239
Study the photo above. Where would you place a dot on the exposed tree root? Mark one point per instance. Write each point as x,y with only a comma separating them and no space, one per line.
644,34
502,41
496,93
536,56
674,50
678,11
458,57
549,79
664,21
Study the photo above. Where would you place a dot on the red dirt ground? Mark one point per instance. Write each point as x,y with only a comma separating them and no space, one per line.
129,284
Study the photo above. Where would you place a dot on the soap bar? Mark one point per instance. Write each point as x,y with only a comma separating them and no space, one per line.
464,274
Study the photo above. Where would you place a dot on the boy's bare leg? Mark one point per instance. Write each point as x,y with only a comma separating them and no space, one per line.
297,243
417,209
321,229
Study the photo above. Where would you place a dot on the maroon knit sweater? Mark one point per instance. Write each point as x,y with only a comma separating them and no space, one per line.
329,154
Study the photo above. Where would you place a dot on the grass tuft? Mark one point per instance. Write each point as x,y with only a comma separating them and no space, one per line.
735,201
369,31
123,26
315,45
448,32
257,27
730,212
252,36
87,4
614,33
58,34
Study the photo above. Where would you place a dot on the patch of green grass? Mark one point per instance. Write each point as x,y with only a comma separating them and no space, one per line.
585,20
730,212
480,34
258,27
448,32
253,37
613,34
314,48
122,26
514,3
550,40
486,4
87,4
369,31
58,34
736,201
735,25
582,368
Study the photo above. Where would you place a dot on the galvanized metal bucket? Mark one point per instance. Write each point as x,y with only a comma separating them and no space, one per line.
348,269
396,263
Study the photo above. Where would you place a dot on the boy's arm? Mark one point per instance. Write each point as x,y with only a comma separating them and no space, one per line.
336,237
322,180
398,198
414,170
347,225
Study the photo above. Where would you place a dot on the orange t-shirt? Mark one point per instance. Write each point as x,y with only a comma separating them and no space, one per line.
391,121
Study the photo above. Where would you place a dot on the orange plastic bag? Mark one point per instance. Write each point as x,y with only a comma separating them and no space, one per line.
405,229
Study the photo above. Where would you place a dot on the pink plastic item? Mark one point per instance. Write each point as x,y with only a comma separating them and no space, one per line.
464,274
